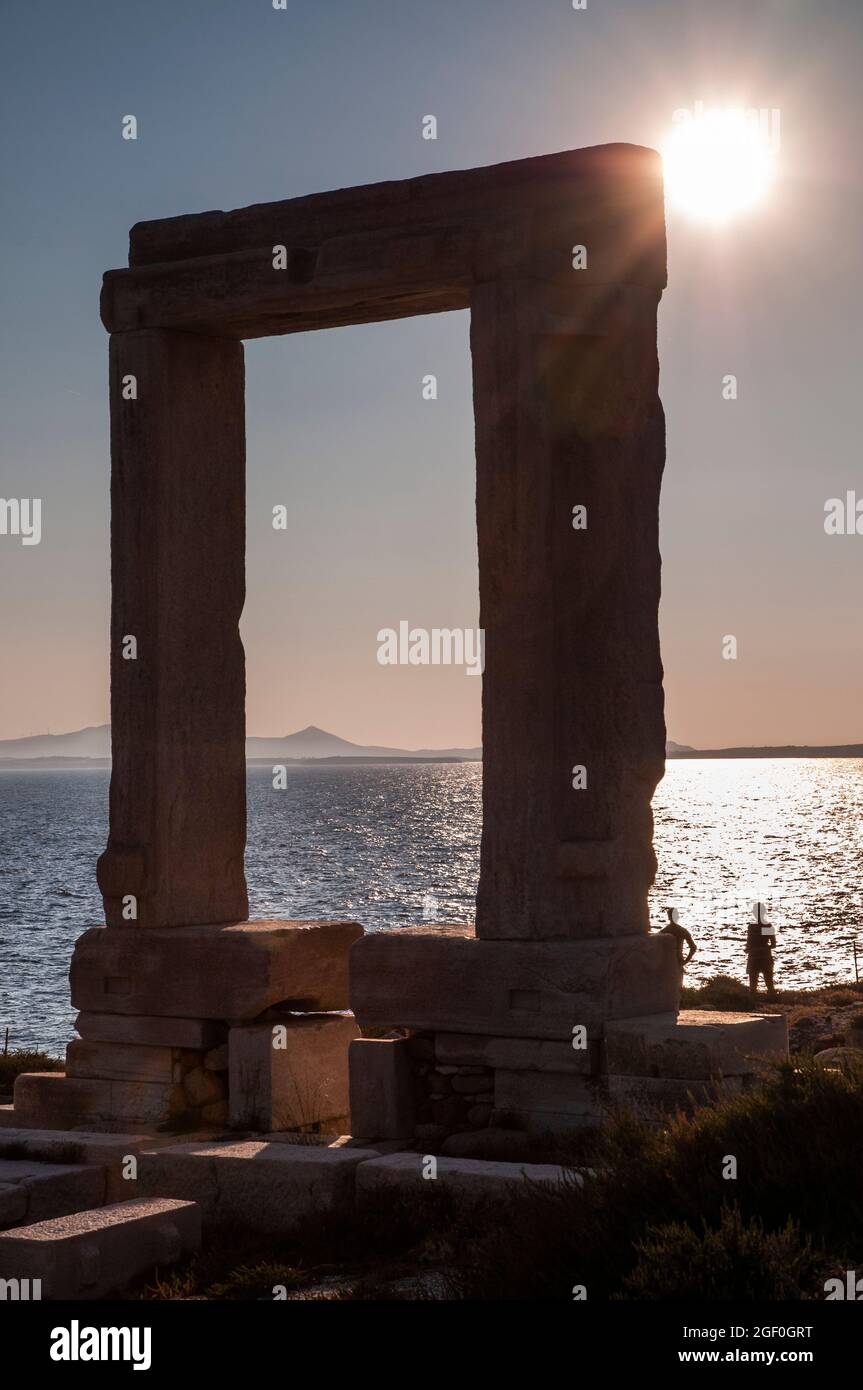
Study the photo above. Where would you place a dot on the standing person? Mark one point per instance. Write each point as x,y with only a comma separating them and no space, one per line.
760,941
682,938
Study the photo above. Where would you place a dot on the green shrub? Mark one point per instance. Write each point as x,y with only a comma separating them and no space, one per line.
796,1139
737,1259
12,1064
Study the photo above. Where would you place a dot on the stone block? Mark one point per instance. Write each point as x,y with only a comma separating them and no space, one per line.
648,1095
109,1152
381,1088
445,979
261,1185
516,1054
123,1061
194,1033
51,1189
234,971
303,1082
695,1044
467,1179
148,1103
13,1204
50,1100
547,1102
91,1254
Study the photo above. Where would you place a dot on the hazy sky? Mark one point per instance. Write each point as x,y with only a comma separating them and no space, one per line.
238,103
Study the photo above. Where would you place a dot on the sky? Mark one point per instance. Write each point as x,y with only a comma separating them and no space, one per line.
237,102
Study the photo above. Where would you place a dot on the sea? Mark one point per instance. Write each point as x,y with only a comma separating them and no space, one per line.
393,845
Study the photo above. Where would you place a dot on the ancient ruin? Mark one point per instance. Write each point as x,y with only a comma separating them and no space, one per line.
561,997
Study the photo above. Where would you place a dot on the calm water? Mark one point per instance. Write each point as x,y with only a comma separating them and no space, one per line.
391,845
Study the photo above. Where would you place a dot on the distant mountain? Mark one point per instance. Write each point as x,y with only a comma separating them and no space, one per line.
317,743
789,750
95,743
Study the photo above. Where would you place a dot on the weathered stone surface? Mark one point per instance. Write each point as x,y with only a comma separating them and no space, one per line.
468,1179
91,1254
218,1059
50,1100
547,1102
697,1044
51,1189
567,413
649,1095
492,1144
516,1054
393,249
203,1087
264,1186
122,1061
233,971
193,1033
149,1103
381,1088
845,1059
305,1082
177,804
109,1152
444,979
578,182
13,1204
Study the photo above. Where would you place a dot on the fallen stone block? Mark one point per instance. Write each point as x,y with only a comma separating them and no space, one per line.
91,1254
547,1102
263,1186
382,1094
695,1044
290,1074
198,1034
468,1179
233,971
444,979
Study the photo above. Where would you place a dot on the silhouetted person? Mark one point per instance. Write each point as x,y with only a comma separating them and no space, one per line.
759,952
682,938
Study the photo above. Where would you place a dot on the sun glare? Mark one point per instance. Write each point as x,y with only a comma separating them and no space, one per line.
719,164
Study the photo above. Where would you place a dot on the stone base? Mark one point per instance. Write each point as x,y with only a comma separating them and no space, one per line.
94,1253
52,1100
235,971
444,979
694,1045
292,1074
382,1088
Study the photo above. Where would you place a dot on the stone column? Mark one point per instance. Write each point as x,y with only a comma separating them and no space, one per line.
178,790
568,416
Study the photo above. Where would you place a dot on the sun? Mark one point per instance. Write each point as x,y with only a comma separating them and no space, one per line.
719,164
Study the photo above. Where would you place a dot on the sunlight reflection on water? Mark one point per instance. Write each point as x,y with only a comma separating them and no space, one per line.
393,845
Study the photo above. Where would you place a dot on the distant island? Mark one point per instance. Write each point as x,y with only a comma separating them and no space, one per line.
91,747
